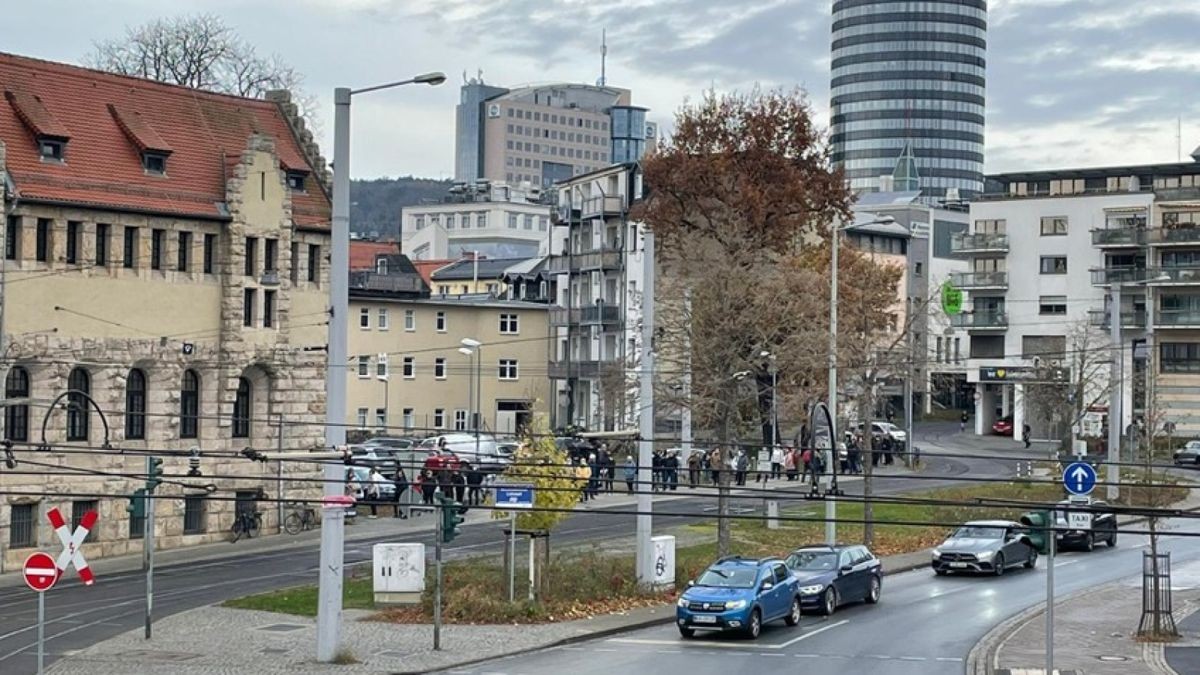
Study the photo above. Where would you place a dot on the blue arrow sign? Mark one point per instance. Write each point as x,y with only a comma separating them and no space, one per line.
1079,478
514,496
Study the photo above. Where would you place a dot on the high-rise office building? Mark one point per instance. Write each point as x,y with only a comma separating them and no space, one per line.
547,133
910,75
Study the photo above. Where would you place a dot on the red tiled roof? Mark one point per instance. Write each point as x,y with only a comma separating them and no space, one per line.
362,253
426,268
103,167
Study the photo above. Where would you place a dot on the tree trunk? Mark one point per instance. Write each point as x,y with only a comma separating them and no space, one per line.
724,527
865,414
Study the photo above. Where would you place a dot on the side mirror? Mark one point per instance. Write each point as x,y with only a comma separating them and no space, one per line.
691,582
767,585
846,569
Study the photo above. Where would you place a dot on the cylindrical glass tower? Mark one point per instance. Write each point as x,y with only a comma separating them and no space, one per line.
910,72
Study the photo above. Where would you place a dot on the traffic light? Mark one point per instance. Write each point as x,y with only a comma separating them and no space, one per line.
154,472
451,517
1039,535
137,504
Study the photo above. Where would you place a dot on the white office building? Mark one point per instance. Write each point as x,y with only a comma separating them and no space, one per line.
493,220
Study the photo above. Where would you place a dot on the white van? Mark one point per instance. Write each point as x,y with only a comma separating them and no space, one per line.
464,446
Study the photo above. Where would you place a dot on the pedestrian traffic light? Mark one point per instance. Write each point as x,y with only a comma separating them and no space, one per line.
1039,535
451,517
137,504
154,473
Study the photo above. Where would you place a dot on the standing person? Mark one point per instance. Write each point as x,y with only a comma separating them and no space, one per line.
354,488
458,482
583,476
400,480
1025,434
594,475
693,462
656,471
428,487
806,456
474,484
741,466
714,463
375,481
776,462
789,464
629,473
672,465
962,422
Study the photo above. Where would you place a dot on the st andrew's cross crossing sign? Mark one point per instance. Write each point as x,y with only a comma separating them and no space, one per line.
71,541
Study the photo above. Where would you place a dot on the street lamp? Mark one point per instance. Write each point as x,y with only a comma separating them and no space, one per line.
774,397
329,605
470,354
473,346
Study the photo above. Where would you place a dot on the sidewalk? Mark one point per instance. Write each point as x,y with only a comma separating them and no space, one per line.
216,640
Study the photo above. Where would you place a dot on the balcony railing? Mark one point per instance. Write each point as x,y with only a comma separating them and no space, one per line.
587,369
1173,275
1101,318
979,279
1125,236
585,316
603,258
986,320
979,243
1104,276
599,207
1166,236
1177,318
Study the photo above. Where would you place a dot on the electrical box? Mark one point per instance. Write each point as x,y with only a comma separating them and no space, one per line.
664,561
399,571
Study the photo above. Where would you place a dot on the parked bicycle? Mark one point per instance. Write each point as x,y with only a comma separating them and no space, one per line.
246,523
301,518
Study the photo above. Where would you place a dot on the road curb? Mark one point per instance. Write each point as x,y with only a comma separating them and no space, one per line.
981,660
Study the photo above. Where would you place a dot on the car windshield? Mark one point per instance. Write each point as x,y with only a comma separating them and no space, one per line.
1193,445
812,560
728,577
979,532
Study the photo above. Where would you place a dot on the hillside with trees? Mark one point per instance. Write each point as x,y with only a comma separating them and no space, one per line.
375,204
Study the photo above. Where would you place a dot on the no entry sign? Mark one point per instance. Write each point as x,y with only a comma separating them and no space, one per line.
40,572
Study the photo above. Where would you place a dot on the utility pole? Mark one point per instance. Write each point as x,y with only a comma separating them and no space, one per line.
153,465
1115,386
830,504
645,501
908,381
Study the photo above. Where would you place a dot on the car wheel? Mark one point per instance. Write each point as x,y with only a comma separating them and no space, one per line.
829,601
874,591
940,572
1089,542
1031,561
686,633
754,626
793,616
998,565
1112,539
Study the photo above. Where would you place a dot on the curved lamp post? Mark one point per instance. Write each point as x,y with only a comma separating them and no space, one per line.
45,446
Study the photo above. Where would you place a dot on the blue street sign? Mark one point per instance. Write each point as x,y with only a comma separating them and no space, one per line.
514,496
1079,478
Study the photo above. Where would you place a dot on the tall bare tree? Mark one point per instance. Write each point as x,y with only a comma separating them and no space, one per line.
202,52
743,185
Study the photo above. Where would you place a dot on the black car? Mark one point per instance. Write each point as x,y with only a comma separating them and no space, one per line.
830,576
1103,529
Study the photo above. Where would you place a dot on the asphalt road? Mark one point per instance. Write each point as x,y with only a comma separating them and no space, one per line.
78,616
924,625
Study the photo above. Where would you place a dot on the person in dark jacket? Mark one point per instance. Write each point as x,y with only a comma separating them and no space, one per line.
474,484
656,470
458,485
428,487
693,463
401,481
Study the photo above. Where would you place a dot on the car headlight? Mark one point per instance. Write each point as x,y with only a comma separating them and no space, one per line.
811,590
937,553
986,555
735,604
681,602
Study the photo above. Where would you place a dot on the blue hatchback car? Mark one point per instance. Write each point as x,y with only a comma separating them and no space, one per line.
830,576
739,594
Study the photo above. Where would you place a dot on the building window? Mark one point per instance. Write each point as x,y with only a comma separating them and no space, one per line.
135,405
512,221
251,256
268,309
939,350
79,415
156,249
1180,357
210,253
129,260
443,289
481,220
154,163
918,268
362,418
440,322
295,180
103,232
957,350
16,416
1054,264
439,418
508,369
248,307
193,514
1054,226
410,320
183,257
21,532
42,245
270,255
381,420
12,235
79,509
383,319
364,366
439,368
189,405
51,149
460,420
381,366
364,318
410,368
314,262
73,228
295,262
241,409
408,419
1054,305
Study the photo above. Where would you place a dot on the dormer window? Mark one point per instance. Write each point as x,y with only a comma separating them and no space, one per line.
51,149
295,180
154,163
381,266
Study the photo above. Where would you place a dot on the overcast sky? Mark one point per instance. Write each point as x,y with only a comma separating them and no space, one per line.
1070,82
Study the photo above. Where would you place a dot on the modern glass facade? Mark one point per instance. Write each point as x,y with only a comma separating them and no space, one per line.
910,72
628,133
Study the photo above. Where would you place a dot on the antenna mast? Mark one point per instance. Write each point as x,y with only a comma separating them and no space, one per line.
603,57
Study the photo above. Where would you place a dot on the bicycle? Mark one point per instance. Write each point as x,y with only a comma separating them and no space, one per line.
247,523
301,518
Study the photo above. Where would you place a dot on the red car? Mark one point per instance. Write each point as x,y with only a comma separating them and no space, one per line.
1003,426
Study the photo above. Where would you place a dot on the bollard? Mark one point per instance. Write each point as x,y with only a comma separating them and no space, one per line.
772,514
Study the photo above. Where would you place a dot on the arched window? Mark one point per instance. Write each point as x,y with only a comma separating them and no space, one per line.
79,414
241,409
135,405
189,405
16,417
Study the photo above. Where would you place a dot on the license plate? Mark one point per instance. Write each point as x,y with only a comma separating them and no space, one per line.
704,618
959,565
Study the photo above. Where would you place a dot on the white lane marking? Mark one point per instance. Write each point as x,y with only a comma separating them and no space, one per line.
810,634
911,658
949,659
807,656
1065,563
726,645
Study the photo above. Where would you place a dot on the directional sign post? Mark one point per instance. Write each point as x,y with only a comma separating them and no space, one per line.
41,574
1079,478
513,497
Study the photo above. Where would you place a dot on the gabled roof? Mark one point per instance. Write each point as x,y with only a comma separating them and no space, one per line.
103,167
426,268
362,253
489,268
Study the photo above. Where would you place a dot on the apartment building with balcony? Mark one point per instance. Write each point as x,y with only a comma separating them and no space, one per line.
596,321
1049,252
